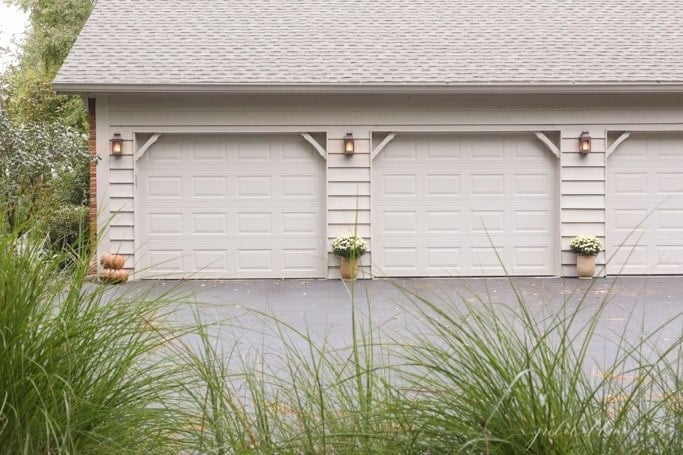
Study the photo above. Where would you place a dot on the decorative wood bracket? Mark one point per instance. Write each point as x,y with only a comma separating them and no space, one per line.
616,144
548,143
390,137
316,145
150,142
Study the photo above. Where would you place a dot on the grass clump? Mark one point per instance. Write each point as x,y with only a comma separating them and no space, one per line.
501,379
86,369
82,369
303,395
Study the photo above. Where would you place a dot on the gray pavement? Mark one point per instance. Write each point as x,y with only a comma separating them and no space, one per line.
323,307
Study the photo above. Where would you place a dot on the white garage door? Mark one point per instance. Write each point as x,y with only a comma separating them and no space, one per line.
644,181
231,207
441,203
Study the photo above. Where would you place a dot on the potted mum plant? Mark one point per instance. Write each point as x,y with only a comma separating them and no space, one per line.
586,248
349,248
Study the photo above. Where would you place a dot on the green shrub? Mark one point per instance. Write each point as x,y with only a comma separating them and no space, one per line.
65,227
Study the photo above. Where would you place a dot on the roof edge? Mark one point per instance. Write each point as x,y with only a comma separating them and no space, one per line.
83,89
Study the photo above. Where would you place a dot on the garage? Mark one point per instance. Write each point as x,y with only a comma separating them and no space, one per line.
231,206
463,205
644,188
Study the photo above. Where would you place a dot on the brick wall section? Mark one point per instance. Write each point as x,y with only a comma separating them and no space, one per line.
92,148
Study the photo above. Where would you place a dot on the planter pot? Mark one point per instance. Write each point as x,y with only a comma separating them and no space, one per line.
585,266
112,261
113,276
348,268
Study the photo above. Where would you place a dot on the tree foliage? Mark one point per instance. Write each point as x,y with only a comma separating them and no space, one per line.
39,169
54,26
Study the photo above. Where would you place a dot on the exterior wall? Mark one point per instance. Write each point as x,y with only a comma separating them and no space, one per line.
582,193
581,206
92,148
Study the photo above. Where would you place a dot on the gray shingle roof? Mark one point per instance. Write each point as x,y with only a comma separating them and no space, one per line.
378,43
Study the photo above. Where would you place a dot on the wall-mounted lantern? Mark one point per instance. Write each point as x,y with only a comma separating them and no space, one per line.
585,142
349,145
116,144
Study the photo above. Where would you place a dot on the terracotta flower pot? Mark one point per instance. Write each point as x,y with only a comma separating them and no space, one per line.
585,266
112,261
113,276
348,268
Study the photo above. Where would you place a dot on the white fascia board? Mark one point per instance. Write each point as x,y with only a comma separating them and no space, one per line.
85,88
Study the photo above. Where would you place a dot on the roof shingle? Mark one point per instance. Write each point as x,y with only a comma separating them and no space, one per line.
394,43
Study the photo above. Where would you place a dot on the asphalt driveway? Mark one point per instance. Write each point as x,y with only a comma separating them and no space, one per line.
323,307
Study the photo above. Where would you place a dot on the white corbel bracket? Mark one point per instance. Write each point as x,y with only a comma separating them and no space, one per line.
319,148
616,144
554,149
390,137
150,142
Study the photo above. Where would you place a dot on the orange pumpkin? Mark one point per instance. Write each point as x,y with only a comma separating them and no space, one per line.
112,261
114,276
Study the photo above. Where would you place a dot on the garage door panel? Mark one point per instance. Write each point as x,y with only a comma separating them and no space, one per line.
526,184
441,259
208,186
211,223
669,221
212,150
443,221
531,258
669,183
645,205
163,223
163,187
436,214
487,185
164,261
237,207
532,221
442,185
210,260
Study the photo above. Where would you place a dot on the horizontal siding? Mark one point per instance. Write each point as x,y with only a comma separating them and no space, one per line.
121,162
583,160
431,110
348,188
583,187
582,198
346,217
348,202
336,230
357,160
583,174
121,233
582,216
121,219
571,229
121,176
122,190
583,201
352,174
121,205
124,247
